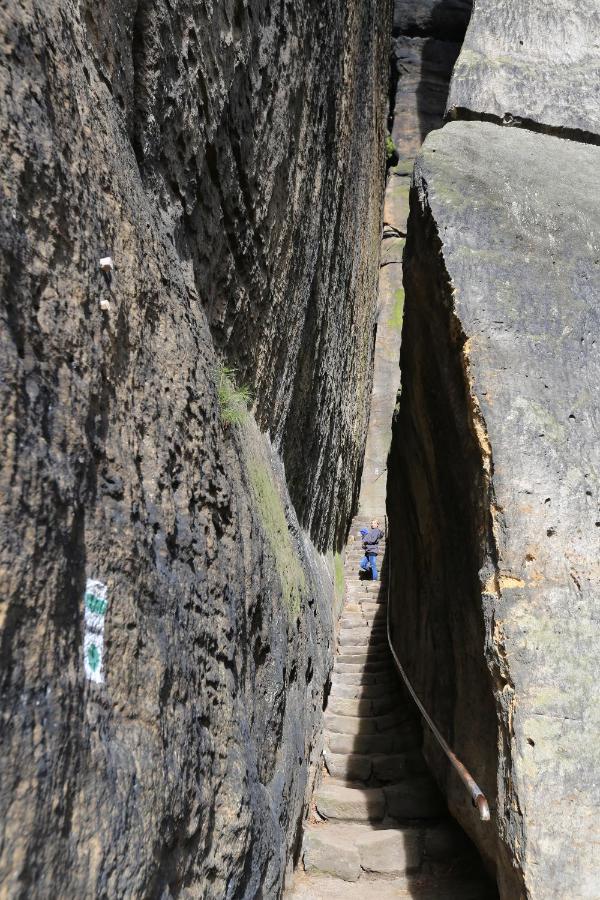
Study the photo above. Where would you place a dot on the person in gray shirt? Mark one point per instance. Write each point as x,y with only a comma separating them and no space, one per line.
371,547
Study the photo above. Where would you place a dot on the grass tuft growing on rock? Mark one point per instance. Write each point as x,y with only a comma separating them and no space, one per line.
390,148
233,400
274,522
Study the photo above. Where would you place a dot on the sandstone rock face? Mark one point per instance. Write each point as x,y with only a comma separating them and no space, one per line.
213,152
532,62
257,133
494,491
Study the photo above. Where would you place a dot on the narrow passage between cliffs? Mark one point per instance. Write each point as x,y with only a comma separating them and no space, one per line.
379,825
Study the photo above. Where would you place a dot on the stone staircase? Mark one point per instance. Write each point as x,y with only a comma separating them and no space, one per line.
380,827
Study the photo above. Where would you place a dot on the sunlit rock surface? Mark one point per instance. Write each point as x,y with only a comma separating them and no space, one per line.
534,63
494,491
229,158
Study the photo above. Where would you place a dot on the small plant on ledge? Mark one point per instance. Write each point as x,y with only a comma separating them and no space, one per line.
233,400
391,153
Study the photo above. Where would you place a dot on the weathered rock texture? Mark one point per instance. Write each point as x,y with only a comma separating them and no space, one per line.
214,152
257,132
494,491
535,64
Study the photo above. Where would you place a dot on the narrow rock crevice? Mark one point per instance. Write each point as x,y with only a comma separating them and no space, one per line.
377,811
579,135
443,532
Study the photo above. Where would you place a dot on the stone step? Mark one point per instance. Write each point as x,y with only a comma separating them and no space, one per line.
363,706
363,645
349,766
445,842
373,638
389,742
354,585
366,667
389,768
364,651
416,798
373,628
361,601
372,665
378,767
361,621
363,657
342,724
374,608
336,801
366,637
349,850
365,691
420,886
367,630
369,606
375,644
364,615
387,677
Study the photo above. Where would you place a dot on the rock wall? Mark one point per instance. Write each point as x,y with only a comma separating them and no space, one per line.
158,737
494,467
535,65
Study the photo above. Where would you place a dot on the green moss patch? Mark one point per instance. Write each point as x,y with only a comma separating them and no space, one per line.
339,581
275,526
395,320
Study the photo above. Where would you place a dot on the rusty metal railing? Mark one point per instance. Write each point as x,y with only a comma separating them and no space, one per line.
477,796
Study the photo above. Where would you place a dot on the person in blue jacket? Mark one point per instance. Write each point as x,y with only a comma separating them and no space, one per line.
371,540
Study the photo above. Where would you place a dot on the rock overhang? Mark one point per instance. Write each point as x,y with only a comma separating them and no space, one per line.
536,63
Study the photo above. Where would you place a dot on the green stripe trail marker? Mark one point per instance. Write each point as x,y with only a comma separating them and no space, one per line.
95,605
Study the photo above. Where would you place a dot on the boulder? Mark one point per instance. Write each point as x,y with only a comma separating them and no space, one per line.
494,493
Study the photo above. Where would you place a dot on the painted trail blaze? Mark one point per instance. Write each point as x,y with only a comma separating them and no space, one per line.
95,603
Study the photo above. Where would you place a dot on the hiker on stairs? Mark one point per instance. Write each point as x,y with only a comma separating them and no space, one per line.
371,547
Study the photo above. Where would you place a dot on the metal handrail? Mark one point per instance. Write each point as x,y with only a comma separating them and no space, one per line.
477,795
